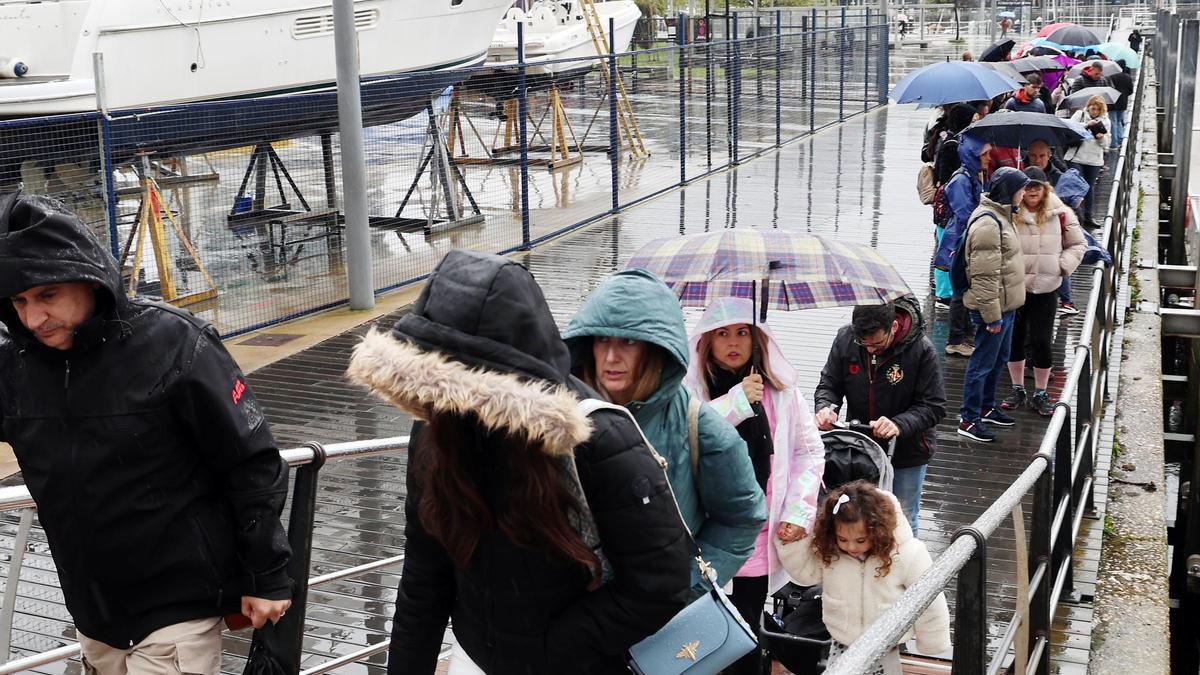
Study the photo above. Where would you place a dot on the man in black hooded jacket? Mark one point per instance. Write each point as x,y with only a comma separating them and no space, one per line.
156,477
887,371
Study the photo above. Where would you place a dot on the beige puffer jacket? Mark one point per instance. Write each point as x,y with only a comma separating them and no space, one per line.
995,263
1049,255
853,597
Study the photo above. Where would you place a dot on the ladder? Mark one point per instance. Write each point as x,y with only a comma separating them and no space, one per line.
625,116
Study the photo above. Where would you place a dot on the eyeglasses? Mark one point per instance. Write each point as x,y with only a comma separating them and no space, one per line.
877,344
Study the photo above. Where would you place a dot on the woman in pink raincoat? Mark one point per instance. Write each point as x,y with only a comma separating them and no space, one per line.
788,461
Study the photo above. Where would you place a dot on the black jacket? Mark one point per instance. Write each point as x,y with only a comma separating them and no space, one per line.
1123,83
156,478
516,610
903,384
1084,82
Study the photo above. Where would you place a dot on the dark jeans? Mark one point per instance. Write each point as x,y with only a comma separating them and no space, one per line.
749,597
989,361
1091,174
1034,326
959,323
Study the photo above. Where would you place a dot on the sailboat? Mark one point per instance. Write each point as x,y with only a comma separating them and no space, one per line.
558,29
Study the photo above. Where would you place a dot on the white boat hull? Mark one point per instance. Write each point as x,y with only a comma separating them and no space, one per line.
162,52
548,42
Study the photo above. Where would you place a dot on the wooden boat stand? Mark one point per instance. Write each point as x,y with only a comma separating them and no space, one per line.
149,221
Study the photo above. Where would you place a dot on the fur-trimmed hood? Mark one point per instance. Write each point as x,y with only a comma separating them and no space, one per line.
423,383
480,339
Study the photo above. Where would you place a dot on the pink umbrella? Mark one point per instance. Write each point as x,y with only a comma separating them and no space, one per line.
1051,27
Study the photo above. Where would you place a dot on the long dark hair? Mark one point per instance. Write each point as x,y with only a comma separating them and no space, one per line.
534,514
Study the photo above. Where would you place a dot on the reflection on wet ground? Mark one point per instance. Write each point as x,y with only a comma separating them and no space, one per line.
854,181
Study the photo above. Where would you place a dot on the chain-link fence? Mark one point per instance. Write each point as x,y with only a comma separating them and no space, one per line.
232,209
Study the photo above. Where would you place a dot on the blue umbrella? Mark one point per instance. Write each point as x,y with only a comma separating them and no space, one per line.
952,82
1118,51
1007,15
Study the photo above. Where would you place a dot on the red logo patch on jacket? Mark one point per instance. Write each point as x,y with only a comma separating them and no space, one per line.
853,369
239,388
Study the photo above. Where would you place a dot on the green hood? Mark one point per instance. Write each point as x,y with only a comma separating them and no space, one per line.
721,503
633,305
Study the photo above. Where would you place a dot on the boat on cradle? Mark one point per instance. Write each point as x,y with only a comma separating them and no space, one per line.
166,52
557,30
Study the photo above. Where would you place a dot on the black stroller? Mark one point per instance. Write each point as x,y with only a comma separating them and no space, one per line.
793,633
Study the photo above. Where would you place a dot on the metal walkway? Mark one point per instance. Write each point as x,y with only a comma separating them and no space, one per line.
854,181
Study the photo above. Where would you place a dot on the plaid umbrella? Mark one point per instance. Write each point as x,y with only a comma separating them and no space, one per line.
797,271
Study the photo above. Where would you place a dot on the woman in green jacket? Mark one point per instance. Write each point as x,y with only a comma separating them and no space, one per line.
629,343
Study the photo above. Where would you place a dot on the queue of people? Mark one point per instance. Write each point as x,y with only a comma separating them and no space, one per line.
568,494
561,488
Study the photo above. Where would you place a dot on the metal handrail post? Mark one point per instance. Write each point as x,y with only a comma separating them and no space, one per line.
735,94
867,61
614,146
1040,552
841,47
12,581
806,87
812,73
778,79
1063,544
709,82
970,610
523,135
685,67
1085,411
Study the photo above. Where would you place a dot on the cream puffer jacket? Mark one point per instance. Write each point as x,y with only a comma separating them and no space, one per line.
1051,250
853,597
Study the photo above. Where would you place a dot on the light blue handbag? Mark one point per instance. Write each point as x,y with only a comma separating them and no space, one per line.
703,639
709,634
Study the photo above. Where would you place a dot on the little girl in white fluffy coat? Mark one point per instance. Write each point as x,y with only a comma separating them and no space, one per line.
864,555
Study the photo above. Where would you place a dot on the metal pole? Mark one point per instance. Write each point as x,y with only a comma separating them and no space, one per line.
735,92
841,47
970,611
812,73
354,185
867,61
1039,554
778,79
13,581
881,69
684,67
523,133
614,149
104,132
1189,46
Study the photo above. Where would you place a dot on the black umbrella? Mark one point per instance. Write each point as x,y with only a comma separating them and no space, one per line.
1019,129
1080,98
1044,50
1074,36
275,648
998,51
1031,64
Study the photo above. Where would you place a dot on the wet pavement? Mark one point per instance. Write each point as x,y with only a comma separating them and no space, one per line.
854,181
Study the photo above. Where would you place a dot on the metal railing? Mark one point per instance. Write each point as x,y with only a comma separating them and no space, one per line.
1060,477
18,498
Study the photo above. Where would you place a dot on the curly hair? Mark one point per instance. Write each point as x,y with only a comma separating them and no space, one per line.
867,504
